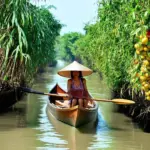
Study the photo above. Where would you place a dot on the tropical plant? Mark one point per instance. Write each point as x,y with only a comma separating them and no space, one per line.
66,45
108,45
27,36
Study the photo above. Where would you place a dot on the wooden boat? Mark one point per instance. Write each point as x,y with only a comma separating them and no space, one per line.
74,116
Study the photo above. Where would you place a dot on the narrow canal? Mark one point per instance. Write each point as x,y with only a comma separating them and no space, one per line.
28,127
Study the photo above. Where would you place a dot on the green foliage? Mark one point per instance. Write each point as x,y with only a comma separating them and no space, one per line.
108,45
42,34
66,45
27,34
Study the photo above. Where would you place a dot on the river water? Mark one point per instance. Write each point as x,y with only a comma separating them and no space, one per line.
28,127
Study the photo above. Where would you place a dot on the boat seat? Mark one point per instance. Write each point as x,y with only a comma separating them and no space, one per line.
61,103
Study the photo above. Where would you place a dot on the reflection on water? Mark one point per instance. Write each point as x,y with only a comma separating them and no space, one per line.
30,127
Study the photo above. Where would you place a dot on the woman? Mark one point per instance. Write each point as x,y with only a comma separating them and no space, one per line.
77,90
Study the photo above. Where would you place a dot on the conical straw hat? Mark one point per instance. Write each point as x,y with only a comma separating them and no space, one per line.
75,66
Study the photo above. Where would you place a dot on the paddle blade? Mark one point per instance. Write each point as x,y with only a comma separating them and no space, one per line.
123,101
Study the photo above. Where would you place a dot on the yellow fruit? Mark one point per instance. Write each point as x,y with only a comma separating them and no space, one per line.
146,75
143,83
146,86
144,40
142,88
145,49
138,52
142,78
148,97
140,36
147,93
142,57
137,46
143,69
146,62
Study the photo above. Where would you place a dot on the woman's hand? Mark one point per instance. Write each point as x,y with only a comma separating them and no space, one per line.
90,100
69,95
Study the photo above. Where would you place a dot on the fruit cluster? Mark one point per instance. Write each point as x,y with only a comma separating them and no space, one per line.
143,58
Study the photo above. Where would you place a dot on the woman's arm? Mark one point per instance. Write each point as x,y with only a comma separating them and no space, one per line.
69,85
69,88
84,84
85,87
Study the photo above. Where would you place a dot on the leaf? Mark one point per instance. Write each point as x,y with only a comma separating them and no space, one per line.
133,15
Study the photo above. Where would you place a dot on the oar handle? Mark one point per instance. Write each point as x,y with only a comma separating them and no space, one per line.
29,90
58,95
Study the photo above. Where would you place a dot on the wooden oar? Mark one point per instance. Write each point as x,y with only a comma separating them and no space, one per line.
28,90
116,101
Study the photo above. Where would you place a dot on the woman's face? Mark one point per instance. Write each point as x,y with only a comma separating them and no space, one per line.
75,73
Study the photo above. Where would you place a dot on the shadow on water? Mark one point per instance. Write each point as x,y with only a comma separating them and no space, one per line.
89,128
13,118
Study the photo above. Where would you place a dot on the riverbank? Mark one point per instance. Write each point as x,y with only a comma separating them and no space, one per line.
10,94
139,112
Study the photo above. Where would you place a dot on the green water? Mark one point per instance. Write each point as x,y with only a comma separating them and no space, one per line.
28,127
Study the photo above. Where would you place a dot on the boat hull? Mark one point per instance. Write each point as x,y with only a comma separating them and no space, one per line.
74,117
